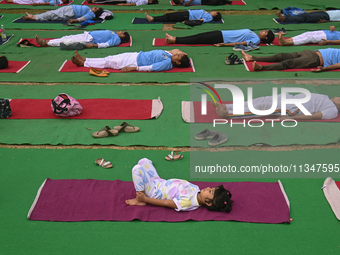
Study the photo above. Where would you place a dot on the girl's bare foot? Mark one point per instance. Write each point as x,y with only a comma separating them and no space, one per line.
169,38
134,201
256,66
148,17
247,57
40,41
280,16
79,56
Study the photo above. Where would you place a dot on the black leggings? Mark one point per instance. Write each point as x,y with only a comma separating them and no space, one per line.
174,16
311,17
203,38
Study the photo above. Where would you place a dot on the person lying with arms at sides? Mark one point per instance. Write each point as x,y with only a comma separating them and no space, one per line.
3,62
231,38
98,39
319,106
38,2
322,37
155,60
322,60
201,2
201,15
70,13
178,194
124,2
311,17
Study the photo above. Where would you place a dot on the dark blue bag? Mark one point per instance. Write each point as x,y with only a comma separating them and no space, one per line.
5,109
292,11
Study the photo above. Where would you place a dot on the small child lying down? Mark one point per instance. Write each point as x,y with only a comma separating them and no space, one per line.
175,193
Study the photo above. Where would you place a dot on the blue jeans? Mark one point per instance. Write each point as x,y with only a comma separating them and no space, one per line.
311,17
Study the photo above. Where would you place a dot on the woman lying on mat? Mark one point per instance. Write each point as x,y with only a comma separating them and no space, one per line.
224,38
155,60
124,2
38,2
3,62
174,193
322,60
319,106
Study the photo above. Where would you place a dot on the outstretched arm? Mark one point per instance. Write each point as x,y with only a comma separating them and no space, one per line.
230,44
131,4
314,116
331,67
325,41
188,3
141,197
35,4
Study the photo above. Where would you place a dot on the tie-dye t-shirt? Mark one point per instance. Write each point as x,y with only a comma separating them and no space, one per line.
182,192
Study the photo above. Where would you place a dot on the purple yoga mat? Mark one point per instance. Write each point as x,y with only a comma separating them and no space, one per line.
93,200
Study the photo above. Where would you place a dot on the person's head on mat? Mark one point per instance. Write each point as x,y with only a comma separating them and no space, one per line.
215,199
152,1
266,36
180,59
124,36
216,16
97,11
3,62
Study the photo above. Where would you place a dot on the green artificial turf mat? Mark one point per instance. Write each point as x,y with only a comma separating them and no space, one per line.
312,231
168,130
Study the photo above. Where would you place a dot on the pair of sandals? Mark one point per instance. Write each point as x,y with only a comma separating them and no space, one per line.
174,155
107,131
104,164
99,73
233,59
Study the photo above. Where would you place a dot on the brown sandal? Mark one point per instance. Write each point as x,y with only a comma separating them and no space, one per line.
125,127
105,132
99,73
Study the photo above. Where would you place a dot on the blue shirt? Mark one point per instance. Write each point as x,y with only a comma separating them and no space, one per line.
138,2
52,2
83,10
200,14
159,59
334,15
330,56
107,37
332,35
194,2
241,35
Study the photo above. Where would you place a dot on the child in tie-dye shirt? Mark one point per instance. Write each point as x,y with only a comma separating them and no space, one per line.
175,193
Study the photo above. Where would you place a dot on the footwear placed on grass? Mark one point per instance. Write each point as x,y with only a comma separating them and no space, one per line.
253,46
206,134
105,132
125,127
276,31
230,60
218,139
173,157
283,31
241,47
105,164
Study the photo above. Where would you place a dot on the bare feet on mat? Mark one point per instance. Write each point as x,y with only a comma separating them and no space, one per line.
148,17
247,57
280,16
256,66
40,41
77,59
169,38
28,16
134,201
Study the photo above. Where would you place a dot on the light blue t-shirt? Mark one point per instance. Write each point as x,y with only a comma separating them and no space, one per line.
52,2
330,56
332,35
334,15
159,59
200,14
241,35
106,38
83,10
137,2
195,2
